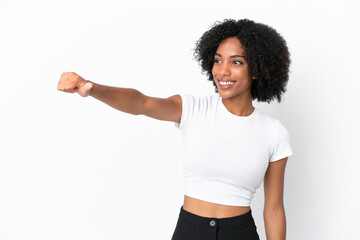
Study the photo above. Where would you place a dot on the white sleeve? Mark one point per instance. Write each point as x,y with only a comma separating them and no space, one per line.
281,146
188,102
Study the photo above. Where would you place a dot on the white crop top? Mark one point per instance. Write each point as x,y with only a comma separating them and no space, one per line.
225,156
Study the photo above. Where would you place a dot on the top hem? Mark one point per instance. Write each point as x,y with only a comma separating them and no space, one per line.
214,200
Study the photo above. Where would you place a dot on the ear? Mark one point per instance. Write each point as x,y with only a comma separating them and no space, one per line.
253,77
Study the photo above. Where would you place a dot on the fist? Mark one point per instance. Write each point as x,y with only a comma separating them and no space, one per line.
71,82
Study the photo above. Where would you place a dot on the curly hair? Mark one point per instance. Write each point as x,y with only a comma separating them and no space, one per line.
266,53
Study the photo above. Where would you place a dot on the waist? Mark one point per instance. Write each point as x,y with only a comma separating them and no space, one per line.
212,210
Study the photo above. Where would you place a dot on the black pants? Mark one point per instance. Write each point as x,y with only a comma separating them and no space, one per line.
194,227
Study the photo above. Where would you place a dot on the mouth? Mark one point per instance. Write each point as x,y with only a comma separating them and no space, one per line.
225,83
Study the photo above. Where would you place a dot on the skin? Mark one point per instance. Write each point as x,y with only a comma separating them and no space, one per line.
237,99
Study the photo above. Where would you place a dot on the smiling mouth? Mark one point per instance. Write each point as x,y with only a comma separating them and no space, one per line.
226,82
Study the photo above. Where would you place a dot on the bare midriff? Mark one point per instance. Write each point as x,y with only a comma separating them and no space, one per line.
214,210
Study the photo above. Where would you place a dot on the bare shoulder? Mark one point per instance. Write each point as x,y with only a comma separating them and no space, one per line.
166,109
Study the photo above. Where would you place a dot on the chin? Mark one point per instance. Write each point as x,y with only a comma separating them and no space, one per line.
229,94
225,94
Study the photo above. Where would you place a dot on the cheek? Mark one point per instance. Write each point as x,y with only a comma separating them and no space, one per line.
213,70
213,73
242,73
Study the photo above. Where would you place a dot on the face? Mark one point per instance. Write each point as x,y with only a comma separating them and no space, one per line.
230,70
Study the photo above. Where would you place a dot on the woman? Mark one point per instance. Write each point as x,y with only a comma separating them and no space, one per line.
229,146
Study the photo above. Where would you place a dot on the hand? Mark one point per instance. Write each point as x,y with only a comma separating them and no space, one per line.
71,82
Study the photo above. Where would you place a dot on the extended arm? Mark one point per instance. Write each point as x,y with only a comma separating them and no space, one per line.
127,100
134,102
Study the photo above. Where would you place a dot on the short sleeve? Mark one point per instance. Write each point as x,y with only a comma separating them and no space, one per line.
187,109
281,146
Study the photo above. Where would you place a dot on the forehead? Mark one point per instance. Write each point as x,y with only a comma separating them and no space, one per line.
231,44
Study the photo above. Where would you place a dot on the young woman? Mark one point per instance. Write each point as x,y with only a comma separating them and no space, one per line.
229,146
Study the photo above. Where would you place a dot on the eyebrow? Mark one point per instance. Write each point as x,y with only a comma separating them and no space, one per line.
233,56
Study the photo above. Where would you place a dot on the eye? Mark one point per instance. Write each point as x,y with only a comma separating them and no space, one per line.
215,60
240,63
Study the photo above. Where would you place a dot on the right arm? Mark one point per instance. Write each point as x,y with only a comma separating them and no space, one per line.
132,101
127,100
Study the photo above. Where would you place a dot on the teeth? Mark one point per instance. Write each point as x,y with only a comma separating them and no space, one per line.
226,83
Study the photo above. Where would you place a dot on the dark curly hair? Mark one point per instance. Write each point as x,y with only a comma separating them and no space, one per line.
266,53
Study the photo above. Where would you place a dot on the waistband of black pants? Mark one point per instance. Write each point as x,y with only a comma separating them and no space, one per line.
240,220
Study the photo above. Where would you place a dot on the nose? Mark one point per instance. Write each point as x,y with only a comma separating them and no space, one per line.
224,69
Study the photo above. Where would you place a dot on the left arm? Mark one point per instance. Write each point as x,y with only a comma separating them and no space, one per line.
274,213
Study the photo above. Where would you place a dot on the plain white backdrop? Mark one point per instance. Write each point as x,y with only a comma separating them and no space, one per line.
75,168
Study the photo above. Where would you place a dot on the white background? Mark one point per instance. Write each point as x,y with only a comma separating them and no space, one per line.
75,168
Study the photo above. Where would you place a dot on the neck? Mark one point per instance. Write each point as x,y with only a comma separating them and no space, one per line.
239,105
